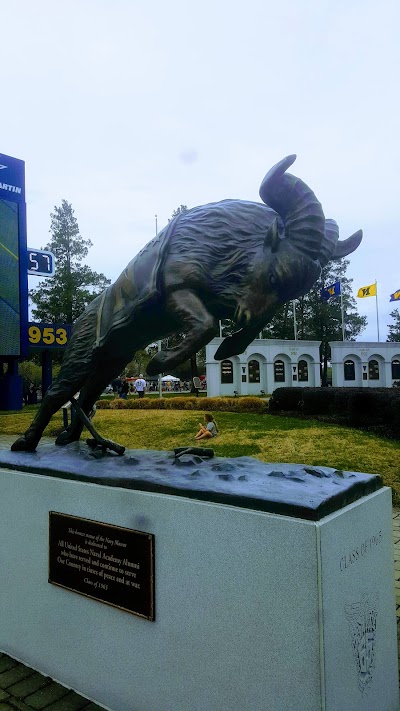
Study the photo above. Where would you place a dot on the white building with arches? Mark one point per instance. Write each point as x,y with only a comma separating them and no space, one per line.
368,365
267,364
264,366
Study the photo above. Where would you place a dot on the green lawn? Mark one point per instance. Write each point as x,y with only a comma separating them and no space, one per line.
266,437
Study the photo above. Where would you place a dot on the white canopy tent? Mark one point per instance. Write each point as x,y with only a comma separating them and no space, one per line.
170,378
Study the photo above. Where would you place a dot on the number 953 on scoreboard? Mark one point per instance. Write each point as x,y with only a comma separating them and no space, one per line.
48,335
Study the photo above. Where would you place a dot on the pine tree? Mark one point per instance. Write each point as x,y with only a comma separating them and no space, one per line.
62,298
179,211
316,319
319,320
394,328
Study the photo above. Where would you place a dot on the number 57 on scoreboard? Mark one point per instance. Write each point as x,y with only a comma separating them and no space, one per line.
40,262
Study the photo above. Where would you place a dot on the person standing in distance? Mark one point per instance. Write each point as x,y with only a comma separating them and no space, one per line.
124,390
140,385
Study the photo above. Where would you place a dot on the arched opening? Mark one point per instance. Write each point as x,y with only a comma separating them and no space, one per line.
226,372
302,370
254,371
373,370
279,371
349,370
395,369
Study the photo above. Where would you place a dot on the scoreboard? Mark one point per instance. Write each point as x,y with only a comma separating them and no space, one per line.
13,259
49,335
40,262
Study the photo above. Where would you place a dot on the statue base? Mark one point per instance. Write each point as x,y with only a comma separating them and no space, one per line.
252,609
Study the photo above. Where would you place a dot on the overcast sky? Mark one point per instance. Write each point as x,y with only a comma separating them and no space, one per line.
129,109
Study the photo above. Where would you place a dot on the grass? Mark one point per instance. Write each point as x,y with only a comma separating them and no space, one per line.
266,437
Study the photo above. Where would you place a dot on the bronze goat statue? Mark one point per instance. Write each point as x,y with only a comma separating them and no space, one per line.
232,259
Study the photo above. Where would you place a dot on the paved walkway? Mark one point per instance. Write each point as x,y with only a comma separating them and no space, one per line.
24,689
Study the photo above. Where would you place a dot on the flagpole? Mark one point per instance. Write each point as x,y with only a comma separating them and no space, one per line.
294,320
160,374
342,310
377,315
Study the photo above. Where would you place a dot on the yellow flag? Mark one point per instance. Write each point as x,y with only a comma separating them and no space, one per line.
367,291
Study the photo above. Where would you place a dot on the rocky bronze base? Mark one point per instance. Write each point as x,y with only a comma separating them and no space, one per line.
308,492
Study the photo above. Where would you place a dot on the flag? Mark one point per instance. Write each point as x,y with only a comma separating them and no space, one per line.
332,290
395,296
367,291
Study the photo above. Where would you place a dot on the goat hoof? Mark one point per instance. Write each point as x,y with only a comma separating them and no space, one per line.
157,363
64,438
22,444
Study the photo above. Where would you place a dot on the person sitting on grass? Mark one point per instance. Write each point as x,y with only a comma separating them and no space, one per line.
209,430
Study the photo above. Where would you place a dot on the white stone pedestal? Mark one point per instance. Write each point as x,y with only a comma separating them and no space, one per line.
254,611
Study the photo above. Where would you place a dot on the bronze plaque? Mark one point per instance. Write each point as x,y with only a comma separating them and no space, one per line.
107,563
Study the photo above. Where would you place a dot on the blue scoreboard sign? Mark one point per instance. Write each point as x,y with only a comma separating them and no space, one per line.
41,263
49,335
13,259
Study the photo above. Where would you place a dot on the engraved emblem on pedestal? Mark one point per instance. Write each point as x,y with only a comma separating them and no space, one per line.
362,618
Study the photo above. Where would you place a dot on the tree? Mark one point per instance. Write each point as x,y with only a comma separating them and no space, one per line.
319,320
394,328
179,210
62,298
138,363
31,372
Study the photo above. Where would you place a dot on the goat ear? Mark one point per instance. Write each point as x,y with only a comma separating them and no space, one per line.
272,238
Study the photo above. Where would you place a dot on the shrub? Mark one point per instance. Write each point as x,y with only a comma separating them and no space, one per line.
391,407
213,403
341,400
366,407
392,416
231,404
118,404
179,403
205,404
250,404
286,399
158,404
137,404
318,401
190,403
146,403
103,404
